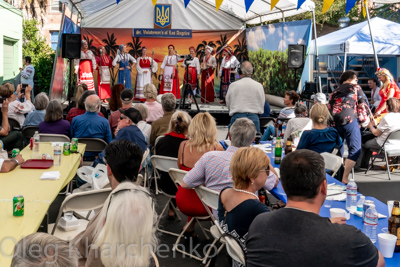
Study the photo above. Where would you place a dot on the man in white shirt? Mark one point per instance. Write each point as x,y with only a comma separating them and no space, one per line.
27,72
246,97
375,97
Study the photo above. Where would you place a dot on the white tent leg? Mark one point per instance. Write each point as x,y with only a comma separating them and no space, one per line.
316,51
372,36
345,62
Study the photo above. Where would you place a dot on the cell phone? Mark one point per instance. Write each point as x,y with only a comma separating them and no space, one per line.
23,87
2,100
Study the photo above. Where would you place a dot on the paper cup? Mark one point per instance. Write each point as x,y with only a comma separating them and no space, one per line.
335,212
387,243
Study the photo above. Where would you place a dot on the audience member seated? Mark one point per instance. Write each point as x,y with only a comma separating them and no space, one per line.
202,139
126,100
7,165
238,206
321,138
90,124
127,218
159,127
42,249
314,240
155,108
297,125
143,125
380,132
20,104
320,98
8,140
81,107
37,116
168,146
74,100
267,110
53,120
115,98
290,100
212,169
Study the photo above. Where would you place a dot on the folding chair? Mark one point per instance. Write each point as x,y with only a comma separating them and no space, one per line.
93,144
332,162
164,164
29,131
265,121
234,250
54,138
389,150
177,177
14,124
146,168
84,201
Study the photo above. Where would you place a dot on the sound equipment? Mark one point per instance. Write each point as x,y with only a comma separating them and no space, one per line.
71,46
296,55
310,88
186,105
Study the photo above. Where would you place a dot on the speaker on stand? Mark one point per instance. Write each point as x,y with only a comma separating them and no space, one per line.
296,58
71,49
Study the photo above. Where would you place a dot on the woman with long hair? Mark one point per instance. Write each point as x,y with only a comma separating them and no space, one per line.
145,67
342,105
124,61
227,71
115,99
169,74
53,120
86,66
194,72
207,76
388,90
104,63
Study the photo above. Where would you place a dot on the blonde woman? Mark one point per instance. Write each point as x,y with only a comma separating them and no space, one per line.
202,139
321,138
144,127
155,108
238,206
388,90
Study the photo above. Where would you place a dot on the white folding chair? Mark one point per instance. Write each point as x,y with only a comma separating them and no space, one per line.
84,201
53,138
332,162
164,164
146,168
177,177
234,250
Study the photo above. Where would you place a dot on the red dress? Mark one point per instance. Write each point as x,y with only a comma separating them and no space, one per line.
384,95
104,62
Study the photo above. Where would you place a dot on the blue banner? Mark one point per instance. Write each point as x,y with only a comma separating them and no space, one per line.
162,33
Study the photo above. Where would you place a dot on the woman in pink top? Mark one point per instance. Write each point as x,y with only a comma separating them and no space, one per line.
155,108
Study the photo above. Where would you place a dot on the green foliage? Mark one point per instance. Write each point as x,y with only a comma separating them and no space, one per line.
34,46
271,70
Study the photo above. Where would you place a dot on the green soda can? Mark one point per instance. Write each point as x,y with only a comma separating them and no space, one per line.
18,205
67,149
74,145
15,152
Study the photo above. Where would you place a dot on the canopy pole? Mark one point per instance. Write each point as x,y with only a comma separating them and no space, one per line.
316,51
372,36
345,62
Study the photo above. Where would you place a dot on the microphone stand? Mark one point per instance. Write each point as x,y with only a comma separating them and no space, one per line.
187,87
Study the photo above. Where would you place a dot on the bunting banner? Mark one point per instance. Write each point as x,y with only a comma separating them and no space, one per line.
118,1
248,4
217,3
299,3
327,5
186,2
154,2
349,5
365,5
273,3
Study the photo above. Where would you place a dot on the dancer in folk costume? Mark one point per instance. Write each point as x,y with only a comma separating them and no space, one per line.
85,66
169,75
207,76
227,71
124,73
104,63
194,72
145,67
388,90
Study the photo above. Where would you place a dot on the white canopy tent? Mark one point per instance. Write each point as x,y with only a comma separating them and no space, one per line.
199,14
356,39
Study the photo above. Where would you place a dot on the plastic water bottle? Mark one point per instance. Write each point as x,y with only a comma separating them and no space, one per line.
283,129
36,140
360,205
371,223
57,155
351,200
273,147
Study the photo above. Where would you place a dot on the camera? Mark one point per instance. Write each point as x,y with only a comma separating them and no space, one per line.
185,57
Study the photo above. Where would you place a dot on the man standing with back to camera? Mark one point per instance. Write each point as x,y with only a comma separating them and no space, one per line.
245,97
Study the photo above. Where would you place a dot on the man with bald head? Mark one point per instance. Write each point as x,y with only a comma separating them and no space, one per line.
246,97
90,124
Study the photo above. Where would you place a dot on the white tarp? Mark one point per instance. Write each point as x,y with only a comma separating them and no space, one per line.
386,1
356,39
199,14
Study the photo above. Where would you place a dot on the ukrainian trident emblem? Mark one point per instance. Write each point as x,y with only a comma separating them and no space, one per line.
162,16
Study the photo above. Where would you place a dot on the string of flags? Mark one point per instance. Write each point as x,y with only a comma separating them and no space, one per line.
247,3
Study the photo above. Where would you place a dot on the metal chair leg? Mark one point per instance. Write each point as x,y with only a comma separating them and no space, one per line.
387,165
159,219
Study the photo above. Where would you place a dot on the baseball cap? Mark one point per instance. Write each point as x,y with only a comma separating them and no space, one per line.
127,95
133,114
319,97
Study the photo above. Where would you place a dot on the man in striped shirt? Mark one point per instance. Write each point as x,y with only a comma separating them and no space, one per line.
212,169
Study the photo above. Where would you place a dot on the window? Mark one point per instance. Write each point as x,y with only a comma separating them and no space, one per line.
54,40
56,6
9,63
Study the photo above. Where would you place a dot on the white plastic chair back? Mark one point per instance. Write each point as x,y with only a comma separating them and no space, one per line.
177,175
145,155
54,138
234,250
208,196
85,173
163,163
332,162
139,179
88,200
